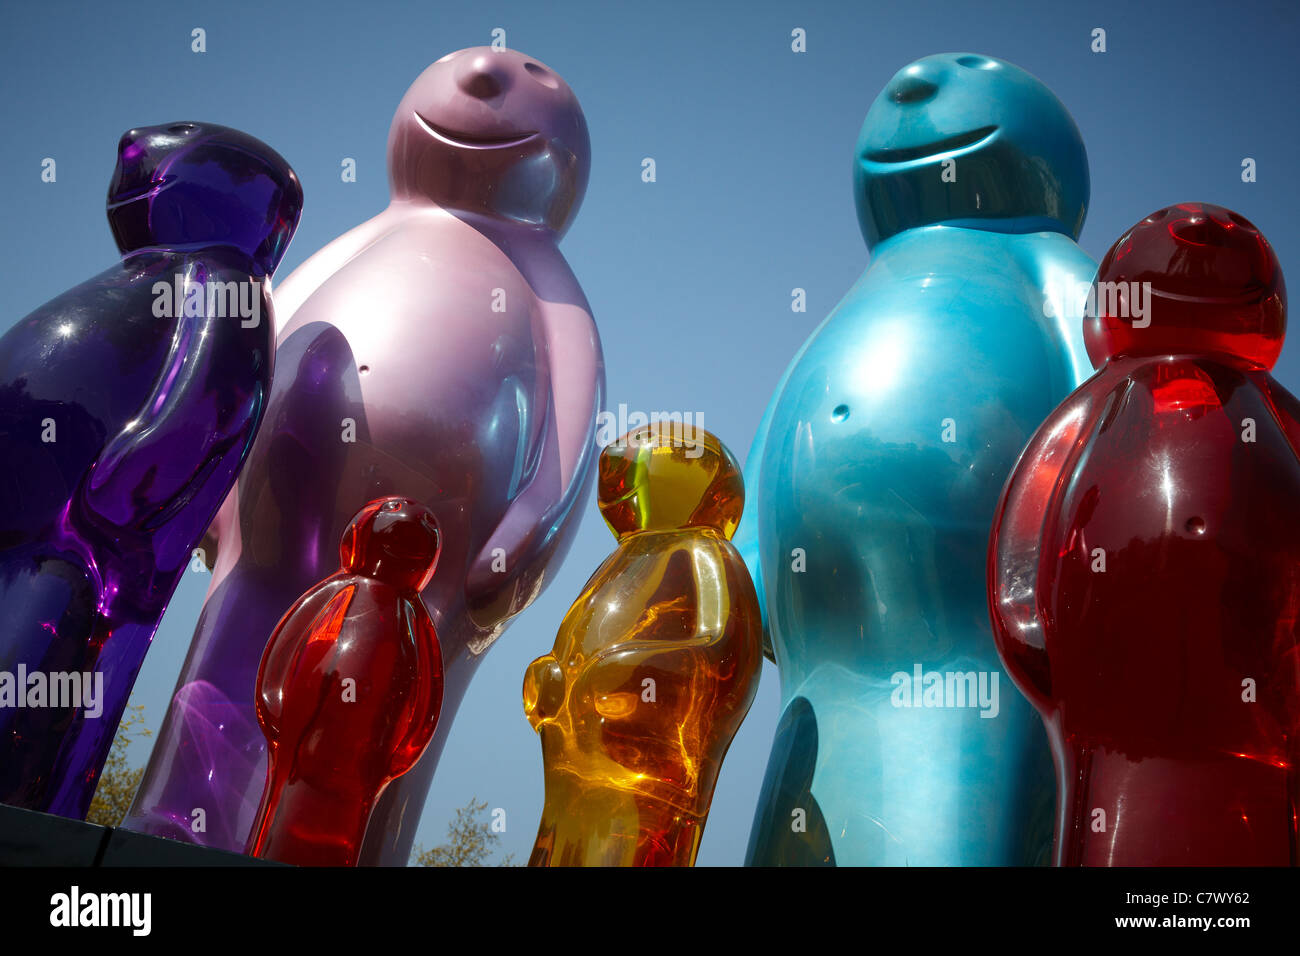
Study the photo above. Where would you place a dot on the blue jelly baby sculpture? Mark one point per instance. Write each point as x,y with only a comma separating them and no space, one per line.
127,406
876,471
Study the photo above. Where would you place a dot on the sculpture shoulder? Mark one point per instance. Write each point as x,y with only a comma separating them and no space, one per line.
300,284
419,265
1193,420
1052,257
959,307
1285,408
423,238
945,275
125,287
109,335
697,565
318,598
1063,272
388,248
654,563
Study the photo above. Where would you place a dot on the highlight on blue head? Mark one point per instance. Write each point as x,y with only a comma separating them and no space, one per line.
968,140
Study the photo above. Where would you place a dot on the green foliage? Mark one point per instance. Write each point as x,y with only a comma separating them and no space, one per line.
117,781
470,841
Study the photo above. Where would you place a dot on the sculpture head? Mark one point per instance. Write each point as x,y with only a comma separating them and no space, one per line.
1210,282
1018,160
195,185
665,476
491,133
395,540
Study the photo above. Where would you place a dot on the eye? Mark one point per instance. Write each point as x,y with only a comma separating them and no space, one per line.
542,75
977,62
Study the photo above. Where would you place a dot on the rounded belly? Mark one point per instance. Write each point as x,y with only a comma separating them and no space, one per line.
398,377
881,474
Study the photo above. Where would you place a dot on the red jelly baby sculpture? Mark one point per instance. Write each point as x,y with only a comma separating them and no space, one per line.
1144,567
349,689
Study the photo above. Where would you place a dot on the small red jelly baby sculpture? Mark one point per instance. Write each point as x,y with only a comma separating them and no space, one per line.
349,689
1144,568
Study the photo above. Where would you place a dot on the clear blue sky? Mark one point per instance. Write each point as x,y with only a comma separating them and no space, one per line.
689,277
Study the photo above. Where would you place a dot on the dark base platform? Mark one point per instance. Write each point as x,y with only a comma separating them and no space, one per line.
28,838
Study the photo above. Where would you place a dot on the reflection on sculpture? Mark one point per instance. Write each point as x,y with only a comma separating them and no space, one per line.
1144,571
443,351
654,666
349,689
875,473
127,407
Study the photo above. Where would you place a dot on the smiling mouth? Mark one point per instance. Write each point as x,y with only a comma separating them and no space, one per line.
471,141
131,195
906,154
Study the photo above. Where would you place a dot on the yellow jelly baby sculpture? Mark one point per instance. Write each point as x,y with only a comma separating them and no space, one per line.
654,666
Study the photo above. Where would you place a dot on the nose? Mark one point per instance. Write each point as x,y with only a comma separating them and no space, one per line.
132,145
484,77
915,84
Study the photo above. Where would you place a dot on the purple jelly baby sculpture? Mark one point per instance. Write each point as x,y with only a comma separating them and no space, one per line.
127,406
442,351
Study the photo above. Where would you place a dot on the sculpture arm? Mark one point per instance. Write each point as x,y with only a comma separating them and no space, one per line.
189,439
1021,531
714,599
746,538
1285,409
316,616
301,284
533,523
426,707
1064,272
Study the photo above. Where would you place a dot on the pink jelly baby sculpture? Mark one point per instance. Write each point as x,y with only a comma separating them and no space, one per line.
442,350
